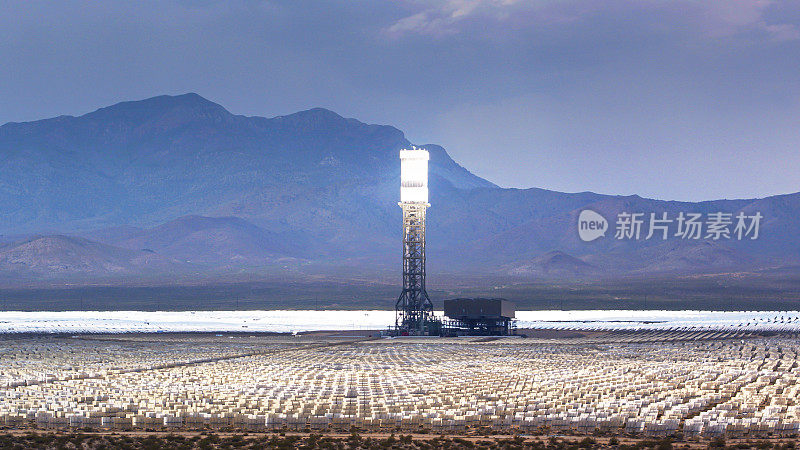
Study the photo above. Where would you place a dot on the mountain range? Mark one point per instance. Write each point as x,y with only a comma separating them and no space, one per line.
178,186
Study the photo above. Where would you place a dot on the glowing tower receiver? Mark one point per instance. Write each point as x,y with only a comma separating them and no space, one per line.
414,310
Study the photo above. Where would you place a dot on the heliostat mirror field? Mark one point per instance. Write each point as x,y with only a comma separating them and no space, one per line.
655,383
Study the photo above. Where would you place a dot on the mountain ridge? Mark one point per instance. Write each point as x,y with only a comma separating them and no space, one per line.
314,189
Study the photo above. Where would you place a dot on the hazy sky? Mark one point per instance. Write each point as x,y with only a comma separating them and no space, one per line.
677,99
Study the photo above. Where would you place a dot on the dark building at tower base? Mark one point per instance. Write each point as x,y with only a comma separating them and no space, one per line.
478,317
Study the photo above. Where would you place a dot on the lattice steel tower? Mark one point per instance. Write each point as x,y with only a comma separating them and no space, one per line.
414,310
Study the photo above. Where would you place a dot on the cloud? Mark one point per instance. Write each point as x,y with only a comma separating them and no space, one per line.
723,18
783,32
712,18
439,18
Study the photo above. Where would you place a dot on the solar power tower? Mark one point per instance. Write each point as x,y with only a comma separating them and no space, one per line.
414,310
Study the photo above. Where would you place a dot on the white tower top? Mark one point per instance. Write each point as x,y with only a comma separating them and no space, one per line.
414,176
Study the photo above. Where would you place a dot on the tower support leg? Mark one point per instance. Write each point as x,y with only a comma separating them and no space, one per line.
414,310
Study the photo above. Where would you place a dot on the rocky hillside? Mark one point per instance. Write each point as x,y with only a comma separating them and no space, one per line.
173,182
